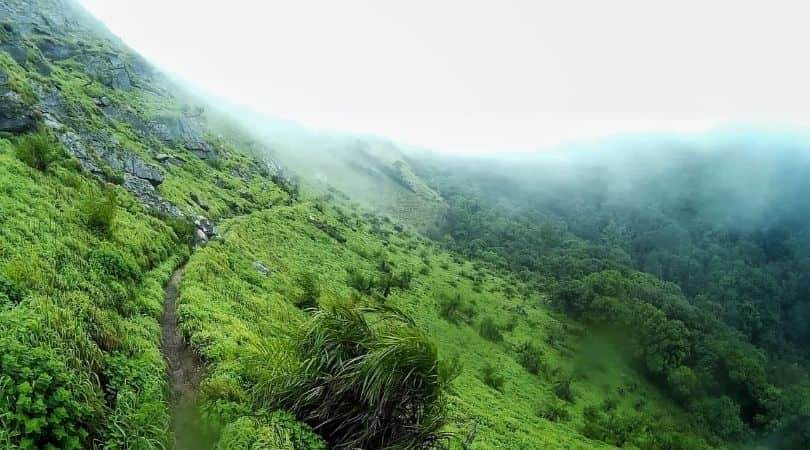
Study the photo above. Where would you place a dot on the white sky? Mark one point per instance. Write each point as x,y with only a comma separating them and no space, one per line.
483,76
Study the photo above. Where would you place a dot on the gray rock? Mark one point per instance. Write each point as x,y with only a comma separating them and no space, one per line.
55,50
201,149
76,148
103,102
202,223
147,195
15,116
261,268
130,163
200,236
136,166
119,79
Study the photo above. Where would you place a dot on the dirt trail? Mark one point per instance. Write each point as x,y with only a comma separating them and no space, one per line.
185,371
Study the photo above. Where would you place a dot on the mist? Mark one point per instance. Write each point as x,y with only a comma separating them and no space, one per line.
483,78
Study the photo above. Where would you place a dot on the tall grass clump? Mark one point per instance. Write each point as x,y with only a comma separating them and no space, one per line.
367,378
490,330
38,150
100,214
454,309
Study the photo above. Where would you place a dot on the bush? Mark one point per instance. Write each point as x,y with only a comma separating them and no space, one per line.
279,430
111,263
490,330
531,358
10,291
563,390
491,377
362,383
43,404
38,150
310,291
100,215
359,281
454,309
183,229
554,410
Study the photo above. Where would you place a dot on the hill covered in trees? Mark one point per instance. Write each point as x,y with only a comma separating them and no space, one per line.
694,249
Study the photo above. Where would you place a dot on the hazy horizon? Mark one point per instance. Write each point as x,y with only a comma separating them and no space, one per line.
485,77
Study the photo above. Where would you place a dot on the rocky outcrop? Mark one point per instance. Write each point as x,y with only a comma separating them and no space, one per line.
150,198
205,230
15,115
183,131
133,165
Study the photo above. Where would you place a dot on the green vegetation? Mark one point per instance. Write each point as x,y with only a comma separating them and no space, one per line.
552,314
38,150
362,382
720,336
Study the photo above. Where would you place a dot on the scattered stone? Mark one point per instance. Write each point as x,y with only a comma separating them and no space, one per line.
205,228
103,102
261,268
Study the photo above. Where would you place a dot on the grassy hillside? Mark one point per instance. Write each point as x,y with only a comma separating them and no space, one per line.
105,165
233,314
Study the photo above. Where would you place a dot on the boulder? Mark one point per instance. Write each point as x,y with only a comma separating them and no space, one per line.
103,102
261,268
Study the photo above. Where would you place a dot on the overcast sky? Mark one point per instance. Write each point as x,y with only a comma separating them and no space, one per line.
484,76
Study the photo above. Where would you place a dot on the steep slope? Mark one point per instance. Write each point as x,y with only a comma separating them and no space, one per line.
101,170
105,170
370,171
234,312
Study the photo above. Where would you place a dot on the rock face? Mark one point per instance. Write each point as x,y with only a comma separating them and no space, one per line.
205,230
15,115
183,131
133,165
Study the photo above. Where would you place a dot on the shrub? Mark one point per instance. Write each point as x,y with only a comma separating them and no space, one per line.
362,383
113,264
563,390
491,377
554,410
43,404
38,150
278,430
10,291
359,281
183,229
490,330
310,291
100,215
454,309
531,358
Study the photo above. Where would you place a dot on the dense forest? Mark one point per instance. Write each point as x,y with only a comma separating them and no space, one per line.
695,251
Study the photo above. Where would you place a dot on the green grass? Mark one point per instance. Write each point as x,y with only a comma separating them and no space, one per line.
86,309
230,312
